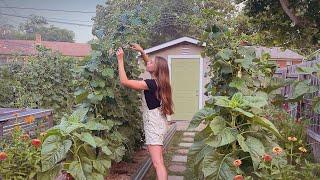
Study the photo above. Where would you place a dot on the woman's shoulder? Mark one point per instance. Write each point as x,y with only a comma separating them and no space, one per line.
151,83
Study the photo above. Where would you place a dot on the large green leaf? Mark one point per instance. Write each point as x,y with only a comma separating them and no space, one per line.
266,124
217,125
106,150
256,101
224,137
242,143
98,126
54,149
79,115
221,101
302,87
66,127
217,166
256,150
200,116
75,169
246,113
225,54
88,138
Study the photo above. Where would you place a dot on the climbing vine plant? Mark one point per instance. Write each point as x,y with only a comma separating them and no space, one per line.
107,125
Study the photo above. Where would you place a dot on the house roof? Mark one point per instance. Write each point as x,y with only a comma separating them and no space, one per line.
27,47
275,52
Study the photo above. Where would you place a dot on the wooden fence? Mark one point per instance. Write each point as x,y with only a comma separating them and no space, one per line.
304,108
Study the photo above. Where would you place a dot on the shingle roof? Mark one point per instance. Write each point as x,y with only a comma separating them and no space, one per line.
27,47
277,53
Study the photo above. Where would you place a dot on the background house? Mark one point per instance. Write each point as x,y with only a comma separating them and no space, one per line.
24,48
188,69
283,58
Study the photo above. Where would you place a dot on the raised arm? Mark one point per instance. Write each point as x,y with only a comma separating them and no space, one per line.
138,48
133,84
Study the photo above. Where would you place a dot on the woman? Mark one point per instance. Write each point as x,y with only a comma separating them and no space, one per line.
156,102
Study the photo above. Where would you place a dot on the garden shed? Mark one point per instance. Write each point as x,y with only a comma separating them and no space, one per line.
187,74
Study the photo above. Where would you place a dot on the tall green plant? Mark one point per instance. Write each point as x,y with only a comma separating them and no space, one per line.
72,146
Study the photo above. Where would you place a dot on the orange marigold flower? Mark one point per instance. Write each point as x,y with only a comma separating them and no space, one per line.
302,149
238,177
3,156
36,143
29,119
237,162
277,150
267,157
25,137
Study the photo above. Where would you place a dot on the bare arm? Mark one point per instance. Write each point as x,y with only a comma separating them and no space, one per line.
133,84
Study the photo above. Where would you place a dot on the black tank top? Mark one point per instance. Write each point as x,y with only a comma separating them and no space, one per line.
150,95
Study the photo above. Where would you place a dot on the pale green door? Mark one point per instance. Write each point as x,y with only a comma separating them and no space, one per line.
185,87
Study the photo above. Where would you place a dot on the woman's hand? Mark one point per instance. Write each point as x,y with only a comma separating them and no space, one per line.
136,47
120,54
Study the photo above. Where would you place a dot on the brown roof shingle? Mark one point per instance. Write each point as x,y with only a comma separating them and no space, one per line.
27,47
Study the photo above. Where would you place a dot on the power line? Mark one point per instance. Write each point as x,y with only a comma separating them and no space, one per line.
6,4
61,22
74,20
43,9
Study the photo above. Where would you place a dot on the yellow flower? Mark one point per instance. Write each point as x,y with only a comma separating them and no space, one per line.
29,119
277,150
43,134
302,149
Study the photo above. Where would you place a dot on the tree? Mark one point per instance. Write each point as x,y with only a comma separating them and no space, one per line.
294,24
37,24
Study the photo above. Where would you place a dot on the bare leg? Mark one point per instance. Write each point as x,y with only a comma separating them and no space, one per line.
158,162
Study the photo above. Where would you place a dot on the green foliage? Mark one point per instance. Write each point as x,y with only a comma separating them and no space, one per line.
273,26
44,81
85,150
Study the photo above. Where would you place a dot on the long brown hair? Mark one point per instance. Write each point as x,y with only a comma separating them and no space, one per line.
164,93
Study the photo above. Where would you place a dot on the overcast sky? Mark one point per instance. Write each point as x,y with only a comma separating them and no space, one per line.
82,34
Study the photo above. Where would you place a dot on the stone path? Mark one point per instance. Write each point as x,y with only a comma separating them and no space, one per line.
179,159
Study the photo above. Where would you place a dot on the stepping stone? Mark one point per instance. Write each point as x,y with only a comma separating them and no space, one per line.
192,134
185,144
177,168
175,177
178,158
183,151
187,139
